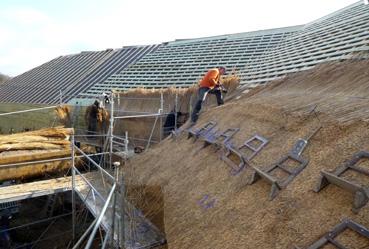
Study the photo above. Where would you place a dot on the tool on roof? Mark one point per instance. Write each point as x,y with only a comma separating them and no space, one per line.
361,192
244,153
330,237
202,131
215,137
219,139
301,143
291,165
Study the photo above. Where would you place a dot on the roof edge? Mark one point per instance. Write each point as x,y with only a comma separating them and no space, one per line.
242,34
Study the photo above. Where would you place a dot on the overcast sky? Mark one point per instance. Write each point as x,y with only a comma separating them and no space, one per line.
33,32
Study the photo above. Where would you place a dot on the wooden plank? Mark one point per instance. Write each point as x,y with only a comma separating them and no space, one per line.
39,188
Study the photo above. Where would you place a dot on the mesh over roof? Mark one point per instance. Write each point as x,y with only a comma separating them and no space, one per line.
259,56
181,63
330,38
71,74
121,59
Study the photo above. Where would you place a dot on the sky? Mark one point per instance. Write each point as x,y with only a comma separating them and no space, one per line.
33,32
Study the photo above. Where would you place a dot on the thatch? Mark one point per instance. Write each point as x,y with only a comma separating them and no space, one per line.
140,91
102,115
340,91
49,145
33,146
243,216
63,112
231,82
58,132
45,139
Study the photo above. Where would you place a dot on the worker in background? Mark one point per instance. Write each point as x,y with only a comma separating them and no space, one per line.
172,122
209,84
91,117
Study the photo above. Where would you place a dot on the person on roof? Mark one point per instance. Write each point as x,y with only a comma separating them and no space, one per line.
210,83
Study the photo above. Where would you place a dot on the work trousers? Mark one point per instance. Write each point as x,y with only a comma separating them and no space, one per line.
202,93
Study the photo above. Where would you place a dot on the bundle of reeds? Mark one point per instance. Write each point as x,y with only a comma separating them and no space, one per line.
231,81
102,115
154,92
44,139
63,113
94,112
23,155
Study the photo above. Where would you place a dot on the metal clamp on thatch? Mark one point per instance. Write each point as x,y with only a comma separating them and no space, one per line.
279,182
330,237
196,133
245,153
361,193
220,139
286,169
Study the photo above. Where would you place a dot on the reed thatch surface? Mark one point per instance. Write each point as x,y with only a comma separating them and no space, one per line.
242,215
339,90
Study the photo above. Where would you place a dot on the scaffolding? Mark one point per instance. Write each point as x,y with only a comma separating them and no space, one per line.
113,203
103,194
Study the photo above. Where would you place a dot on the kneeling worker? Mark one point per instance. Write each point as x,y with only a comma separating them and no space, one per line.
209,84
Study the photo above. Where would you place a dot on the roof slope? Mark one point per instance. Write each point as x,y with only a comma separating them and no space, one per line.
241,215
329,38
260,56
181,63
118,61
42,85
70,75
